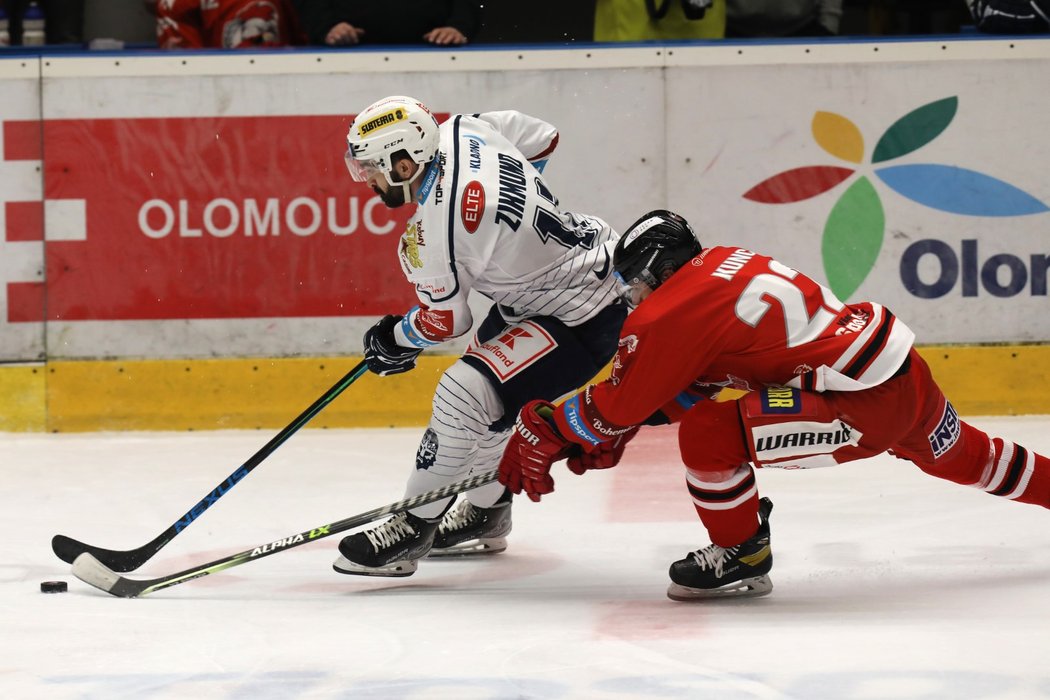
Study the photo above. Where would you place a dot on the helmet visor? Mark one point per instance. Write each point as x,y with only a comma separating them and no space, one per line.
361,170
632,291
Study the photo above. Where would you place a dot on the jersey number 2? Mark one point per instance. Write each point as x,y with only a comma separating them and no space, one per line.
782,287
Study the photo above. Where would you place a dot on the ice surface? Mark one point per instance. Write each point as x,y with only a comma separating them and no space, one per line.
888,583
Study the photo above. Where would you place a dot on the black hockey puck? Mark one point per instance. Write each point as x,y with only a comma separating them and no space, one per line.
53,587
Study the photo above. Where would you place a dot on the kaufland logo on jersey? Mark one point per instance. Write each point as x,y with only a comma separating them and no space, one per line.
855,228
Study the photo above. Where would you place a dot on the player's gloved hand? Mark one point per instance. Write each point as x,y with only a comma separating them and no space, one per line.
601,456
534,445
382,353
1011,16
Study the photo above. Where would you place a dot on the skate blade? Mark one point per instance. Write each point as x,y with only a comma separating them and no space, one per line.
745,588
342,565
471,548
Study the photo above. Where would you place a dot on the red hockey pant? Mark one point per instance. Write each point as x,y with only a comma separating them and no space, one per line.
907,415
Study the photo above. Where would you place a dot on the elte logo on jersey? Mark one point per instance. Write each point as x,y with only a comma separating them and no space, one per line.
947,431
472,206
781,400
383,120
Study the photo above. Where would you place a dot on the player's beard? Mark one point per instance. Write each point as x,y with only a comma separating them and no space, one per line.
394,196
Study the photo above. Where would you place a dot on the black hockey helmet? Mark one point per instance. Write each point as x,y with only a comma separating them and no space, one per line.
653,249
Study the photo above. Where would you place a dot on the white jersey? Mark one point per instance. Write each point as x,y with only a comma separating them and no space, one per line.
487,221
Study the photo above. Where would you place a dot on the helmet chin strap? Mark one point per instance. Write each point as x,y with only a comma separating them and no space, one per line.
406,185
406,190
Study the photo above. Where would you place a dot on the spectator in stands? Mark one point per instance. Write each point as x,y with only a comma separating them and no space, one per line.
351,22
63,20
1011,16
226,24
646,20
917,17
782,18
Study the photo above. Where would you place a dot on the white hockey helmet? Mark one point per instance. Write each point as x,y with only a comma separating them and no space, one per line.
386,127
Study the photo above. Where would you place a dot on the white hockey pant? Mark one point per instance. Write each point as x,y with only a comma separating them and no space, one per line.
465,405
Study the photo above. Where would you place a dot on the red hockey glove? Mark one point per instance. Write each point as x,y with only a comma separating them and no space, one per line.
601,456
533,447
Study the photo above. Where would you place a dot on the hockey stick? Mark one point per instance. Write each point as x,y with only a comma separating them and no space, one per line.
69,549
91,571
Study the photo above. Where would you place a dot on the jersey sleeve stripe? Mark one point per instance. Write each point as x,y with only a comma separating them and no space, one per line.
451,231
408,328
547,151
872,348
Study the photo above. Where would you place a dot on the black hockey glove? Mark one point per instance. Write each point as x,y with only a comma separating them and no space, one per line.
382,353
1011,16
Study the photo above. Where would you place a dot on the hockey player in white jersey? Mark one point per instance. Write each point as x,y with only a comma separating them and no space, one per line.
486,220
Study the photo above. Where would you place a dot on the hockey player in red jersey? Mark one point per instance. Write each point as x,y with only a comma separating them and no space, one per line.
827,383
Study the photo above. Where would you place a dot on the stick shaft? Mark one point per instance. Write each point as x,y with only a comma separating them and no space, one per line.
68,549
93,572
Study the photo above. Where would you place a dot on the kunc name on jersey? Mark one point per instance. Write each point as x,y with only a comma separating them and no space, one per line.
733,264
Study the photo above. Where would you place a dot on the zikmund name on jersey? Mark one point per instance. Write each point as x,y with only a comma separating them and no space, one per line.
510,207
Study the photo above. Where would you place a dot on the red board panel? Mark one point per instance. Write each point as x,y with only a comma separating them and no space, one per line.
217,217
25,221
21,140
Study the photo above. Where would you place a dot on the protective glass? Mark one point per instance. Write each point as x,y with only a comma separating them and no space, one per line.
632,292
361,170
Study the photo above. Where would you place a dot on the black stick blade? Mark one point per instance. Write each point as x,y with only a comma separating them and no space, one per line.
68,549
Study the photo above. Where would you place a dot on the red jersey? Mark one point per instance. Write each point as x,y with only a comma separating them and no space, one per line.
734,318
226,24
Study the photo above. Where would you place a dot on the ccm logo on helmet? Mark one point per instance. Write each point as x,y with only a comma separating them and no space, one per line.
385,119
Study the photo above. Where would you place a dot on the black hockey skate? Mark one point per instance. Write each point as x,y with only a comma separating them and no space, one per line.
391,549
467,530
716,572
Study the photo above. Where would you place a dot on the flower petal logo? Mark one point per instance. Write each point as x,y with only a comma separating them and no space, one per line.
854,230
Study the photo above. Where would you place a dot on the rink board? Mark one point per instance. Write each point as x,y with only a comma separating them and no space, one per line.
165,252
268,393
